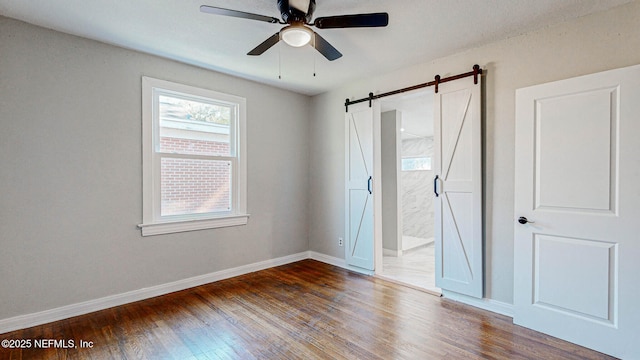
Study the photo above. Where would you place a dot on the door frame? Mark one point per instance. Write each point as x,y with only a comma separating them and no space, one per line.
377,144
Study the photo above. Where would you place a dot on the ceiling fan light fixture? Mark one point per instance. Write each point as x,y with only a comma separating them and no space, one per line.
296,35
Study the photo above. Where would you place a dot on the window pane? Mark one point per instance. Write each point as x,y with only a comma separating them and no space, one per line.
191,186
417,163
193,127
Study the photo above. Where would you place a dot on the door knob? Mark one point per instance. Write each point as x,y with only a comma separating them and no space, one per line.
523,220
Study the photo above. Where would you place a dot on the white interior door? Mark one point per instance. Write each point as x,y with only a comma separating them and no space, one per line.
360,185
577,261
458,186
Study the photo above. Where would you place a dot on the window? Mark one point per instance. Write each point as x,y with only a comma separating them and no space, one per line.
194,158
416,163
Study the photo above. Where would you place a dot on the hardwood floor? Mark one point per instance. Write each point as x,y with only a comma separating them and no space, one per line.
304,310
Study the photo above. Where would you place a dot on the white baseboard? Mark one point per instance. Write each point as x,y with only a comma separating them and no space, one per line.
389,252
485,304
338,262
412,242
64,312
328,259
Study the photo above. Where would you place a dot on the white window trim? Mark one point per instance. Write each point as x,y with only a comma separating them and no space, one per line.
151,222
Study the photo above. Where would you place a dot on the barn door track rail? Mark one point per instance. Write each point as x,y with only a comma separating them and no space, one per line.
437,81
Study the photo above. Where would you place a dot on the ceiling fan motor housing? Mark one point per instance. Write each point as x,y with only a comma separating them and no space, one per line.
292,15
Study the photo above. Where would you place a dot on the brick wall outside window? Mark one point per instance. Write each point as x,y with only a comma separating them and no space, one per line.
191,147
193,186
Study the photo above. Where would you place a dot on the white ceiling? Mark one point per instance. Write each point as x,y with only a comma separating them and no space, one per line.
418,31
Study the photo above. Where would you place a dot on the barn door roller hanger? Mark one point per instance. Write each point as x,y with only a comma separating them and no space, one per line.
437,81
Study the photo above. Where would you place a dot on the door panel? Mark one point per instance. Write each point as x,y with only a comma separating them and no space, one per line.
361,227
569,166
458,208
458,224
577,175
587,275
359,170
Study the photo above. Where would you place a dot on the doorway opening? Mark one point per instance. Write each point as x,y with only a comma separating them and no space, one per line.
407,147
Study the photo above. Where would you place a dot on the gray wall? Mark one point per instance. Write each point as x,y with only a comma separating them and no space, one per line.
390,149
70,174
589,44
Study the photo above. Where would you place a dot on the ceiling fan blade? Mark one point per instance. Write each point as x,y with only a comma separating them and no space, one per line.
325,48
265,45
239,14
350,21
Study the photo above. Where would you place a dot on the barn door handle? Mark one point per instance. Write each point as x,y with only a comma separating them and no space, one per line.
369,184
435,186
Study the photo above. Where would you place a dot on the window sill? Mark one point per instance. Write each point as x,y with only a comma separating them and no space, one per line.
192,225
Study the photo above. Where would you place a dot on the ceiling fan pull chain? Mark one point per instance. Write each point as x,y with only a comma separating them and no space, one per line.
314,55
280,61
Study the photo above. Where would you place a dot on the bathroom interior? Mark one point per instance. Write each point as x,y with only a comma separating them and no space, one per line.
407,199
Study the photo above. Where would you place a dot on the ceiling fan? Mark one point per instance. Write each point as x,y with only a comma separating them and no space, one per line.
297,15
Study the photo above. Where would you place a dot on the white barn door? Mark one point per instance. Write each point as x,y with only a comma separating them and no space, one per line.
458,187
360,185
577,259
